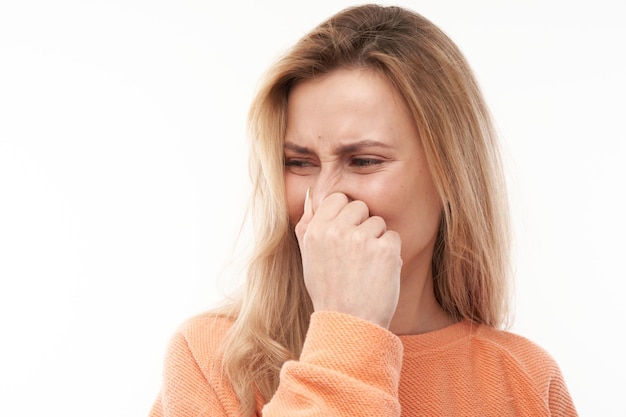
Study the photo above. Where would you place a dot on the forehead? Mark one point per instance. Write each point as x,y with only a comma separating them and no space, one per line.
348,85
346,110
345,99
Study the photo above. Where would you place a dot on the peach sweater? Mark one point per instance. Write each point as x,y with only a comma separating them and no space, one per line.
350,367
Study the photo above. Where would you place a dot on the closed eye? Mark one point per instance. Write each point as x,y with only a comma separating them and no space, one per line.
297,163
300,166
365,162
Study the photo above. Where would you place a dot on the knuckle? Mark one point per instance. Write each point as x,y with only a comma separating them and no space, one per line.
338,198
391,242
359,205
334,233
378,221
300,229
358,235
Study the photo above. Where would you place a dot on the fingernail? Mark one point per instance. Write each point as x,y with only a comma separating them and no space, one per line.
307,200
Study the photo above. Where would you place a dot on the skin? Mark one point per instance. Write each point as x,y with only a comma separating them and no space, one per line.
368,226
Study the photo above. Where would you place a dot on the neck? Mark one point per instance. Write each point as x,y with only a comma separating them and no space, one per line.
418,310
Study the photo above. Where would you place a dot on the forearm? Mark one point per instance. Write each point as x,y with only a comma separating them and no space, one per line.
347,367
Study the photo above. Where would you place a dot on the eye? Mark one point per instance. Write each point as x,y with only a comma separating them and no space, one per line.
300,166
300,163
365,162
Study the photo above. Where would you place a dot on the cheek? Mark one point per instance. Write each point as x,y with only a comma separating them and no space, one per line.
295,191
421,220
411,209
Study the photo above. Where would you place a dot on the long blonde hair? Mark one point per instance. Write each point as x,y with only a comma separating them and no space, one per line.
470,262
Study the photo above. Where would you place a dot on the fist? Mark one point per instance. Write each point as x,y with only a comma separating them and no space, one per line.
351,262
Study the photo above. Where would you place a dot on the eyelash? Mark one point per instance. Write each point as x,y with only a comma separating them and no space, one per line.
299,163
357,162
365,162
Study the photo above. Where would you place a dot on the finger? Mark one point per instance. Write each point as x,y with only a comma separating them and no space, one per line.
331,206
308,207
392,242
354,213
306,216
392,237
374,226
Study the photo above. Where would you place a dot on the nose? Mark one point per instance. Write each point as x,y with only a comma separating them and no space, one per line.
328,182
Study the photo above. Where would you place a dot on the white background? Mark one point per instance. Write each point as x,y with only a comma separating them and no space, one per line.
123,181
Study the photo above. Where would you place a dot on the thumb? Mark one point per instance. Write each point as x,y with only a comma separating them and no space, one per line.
306,216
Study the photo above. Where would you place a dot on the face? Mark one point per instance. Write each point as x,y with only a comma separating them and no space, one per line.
350,132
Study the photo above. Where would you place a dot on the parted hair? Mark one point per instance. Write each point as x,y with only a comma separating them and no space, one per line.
470,261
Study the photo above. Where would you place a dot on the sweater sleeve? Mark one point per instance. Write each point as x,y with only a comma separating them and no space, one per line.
559,399
185,390
348,367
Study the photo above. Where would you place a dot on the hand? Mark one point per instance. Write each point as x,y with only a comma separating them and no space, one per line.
351,262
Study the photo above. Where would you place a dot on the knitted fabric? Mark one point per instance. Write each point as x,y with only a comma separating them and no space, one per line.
350,367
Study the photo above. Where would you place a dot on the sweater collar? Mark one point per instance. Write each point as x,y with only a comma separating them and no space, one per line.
439,338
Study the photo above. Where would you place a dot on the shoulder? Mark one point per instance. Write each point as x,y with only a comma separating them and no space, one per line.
516,353
194,381
511,343
205,328
201,337
525,366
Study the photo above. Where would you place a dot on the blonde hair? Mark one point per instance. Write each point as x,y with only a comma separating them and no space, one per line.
470,262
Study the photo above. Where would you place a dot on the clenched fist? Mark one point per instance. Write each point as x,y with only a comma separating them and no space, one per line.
351,262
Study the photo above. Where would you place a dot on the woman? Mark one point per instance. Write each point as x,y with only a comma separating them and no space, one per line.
378,281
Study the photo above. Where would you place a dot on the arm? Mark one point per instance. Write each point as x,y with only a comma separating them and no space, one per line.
559,399
185,390
348,367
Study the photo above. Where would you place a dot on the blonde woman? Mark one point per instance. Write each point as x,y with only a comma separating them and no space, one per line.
378,285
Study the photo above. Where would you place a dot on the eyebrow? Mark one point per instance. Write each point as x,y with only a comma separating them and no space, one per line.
341,149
